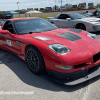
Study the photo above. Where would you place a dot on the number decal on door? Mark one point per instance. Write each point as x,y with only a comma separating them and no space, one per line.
8,42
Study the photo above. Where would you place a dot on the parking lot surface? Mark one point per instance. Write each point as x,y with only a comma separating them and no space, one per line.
15,77
17,82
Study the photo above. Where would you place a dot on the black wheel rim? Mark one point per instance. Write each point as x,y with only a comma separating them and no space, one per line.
32,59
81,27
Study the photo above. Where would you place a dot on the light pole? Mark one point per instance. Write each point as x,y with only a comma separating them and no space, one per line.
18,8
61,6
18,5
55,4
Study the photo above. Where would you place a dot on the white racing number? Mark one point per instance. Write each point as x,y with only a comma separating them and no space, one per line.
8,42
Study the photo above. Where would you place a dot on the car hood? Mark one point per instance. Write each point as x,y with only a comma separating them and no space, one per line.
90,19
65,37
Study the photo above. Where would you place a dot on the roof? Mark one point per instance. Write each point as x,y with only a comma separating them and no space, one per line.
11,12
22,18
33,12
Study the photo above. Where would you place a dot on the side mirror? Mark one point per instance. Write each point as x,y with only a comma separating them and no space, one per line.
68,19
5,32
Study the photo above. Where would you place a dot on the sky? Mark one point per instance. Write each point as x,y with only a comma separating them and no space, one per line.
6,5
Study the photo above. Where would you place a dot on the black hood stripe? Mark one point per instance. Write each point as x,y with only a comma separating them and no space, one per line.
75,30
69,36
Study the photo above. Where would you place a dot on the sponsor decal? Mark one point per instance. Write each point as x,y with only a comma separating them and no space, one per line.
18,42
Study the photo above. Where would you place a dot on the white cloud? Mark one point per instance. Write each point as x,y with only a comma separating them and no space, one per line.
42,2
90,0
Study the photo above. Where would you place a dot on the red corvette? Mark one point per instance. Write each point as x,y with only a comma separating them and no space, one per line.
68,56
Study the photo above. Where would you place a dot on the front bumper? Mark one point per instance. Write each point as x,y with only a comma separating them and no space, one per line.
75,77
94,28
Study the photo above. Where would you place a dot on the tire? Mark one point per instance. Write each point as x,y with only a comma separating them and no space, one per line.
81,26
35,60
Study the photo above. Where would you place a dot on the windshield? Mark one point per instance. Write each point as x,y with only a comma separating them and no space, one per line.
28,26
76,16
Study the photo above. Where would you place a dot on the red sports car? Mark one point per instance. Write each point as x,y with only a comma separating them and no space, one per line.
68,56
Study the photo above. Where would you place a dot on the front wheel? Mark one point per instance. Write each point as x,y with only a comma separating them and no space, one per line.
35,60
81,26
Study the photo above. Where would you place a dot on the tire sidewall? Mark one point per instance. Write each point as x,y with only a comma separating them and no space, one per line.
41,65
81,26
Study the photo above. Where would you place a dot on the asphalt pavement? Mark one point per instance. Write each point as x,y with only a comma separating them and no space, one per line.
17,82
17,79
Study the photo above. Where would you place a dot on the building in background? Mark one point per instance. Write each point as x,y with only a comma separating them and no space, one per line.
63,7
55,7
36,9
68,6
82,5
90,4
41,9
74,6
29,9
48,9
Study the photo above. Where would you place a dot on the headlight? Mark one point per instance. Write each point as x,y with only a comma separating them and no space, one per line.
92,36
59,48
64,67
96,27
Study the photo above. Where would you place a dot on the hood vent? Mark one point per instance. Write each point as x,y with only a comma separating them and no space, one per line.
70,36
75,30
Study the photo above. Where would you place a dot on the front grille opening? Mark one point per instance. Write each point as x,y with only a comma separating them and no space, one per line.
82,65
96,57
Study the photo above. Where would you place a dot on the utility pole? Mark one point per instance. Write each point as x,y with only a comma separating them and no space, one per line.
18,5
18,8
61,6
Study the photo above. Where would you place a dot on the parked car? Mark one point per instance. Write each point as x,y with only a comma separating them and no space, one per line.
86,15
96,13
5,17
68,56
75,20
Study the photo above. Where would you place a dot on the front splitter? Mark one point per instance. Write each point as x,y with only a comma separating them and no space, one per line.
93,72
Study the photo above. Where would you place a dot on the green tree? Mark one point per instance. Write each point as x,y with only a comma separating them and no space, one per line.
98,5
91,7
20,11
2,12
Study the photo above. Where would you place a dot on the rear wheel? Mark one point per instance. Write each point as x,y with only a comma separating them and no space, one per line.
81,26
35,60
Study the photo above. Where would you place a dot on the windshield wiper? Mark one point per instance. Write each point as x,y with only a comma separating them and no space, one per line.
30,32
27,33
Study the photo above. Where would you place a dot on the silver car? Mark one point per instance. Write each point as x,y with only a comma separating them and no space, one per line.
75,20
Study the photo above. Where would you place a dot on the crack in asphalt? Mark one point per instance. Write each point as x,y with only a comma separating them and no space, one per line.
84,91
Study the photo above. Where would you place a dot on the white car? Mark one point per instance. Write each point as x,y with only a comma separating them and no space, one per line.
75,20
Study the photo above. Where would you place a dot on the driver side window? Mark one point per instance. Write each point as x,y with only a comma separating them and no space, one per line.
63,16
8,26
